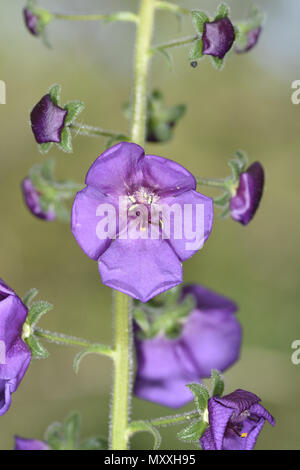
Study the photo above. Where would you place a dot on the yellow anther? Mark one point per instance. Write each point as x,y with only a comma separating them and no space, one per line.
244,434
132,198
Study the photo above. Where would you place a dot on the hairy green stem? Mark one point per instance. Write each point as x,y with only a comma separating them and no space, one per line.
72,341
173,420
141,69
119,16
217,183
122,366
91,131
176,43
172,8
122,303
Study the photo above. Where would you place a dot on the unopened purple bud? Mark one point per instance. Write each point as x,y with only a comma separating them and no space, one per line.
32,200
31,21
244,204
218,37
252,39
47,121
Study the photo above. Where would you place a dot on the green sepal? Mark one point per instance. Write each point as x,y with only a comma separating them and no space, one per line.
193,432
71,429
29,296
55,92
199,19
218,63
94,443
222,200
217,383
63,214
222,12
54,435
66,141
201,396
225,213
236,170
36,311
74,108
242,159
44,148
196,51
37,350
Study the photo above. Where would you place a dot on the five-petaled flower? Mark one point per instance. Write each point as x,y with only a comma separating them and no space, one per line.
235,421
17,355
252,38
32,200
218,37
47,121
131,259
30,444
245,202
210,338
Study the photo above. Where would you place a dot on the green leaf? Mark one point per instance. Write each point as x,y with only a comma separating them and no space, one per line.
222,12
196,51
199,19
71,429
218,63
66,141
54,93
29,296
44,148
217,383
37,350
94,443
37,310
54,435
74,108
193,432
201,395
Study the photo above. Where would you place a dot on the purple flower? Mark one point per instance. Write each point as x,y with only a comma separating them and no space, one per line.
47,121
210,339
32,200
30,444
15,355
249,193
235,421
218,37
136,255
252,38
31,21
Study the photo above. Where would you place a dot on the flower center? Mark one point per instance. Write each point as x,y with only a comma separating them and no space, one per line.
142,203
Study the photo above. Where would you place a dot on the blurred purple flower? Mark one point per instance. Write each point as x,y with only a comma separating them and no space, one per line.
31,21
137,264
252,38
235,421
30,444
32,200
14,351
209,339
218,37
47,121
244,204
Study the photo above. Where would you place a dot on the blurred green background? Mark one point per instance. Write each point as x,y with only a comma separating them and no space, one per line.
246,106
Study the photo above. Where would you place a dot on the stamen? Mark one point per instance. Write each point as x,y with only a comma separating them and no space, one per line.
244,434
132,199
